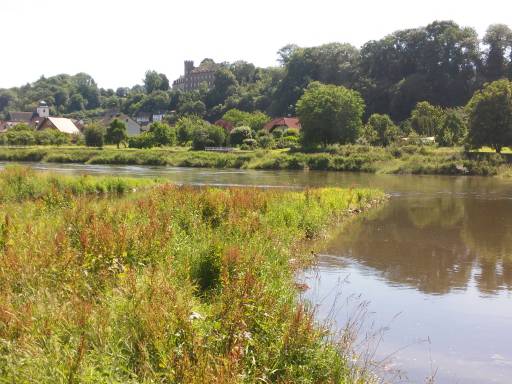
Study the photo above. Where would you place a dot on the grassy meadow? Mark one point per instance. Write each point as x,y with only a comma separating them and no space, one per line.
406,159
167,284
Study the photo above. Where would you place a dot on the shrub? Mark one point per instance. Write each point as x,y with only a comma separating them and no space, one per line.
278,132
265,141
454,129
249,144
255,120
380,130
20,137
288,142
94,135
291,132
208,136
144,140
426,119
162,134
51,137
185,127
239,134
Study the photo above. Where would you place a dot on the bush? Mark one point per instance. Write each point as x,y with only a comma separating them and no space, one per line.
21,137
51,137
239,134
186,126
288,142
265,141
380,130
278,132
289,132
250,143
162,134
208,136
454,129
94,135
144,140
255,120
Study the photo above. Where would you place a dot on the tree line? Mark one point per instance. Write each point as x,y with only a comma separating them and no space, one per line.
442,63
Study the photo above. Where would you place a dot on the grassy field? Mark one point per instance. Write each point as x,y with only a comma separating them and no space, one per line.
165,285
398,160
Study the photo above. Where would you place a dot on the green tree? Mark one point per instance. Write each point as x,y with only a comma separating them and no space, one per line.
239,134
332,63
116,132
490,116
426,119
380,130
453,130
224,85
192,108
208,135
94,135
185,127
498,40
76,103
435,63
163,134
255,120
330,114
154,81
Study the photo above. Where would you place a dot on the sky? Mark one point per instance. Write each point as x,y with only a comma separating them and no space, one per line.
117,41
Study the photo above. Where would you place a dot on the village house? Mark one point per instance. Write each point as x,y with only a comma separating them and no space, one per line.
195,76
145,118
132,127
61,124
288,122
33,118
157,117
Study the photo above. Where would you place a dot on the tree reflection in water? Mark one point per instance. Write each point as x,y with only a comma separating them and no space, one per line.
435,244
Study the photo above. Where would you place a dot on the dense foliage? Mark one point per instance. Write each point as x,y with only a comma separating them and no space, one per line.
490,116
330,114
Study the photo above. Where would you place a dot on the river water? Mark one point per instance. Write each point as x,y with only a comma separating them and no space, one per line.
432,268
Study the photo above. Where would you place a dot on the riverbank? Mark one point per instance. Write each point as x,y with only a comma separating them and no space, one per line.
394,160
169,284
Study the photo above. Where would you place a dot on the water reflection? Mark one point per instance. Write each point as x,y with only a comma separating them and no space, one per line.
435,244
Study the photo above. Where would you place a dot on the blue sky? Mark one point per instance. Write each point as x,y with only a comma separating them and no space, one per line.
117,41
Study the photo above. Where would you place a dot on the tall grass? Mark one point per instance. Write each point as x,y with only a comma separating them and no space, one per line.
22,183
175,285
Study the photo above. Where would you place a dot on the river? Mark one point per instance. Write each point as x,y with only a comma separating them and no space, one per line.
432,268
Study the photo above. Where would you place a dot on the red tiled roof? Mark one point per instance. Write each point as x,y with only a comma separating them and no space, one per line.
228,126
290,122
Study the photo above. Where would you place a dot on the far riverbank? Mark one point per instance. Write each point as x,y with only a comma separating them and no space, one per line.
353,158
